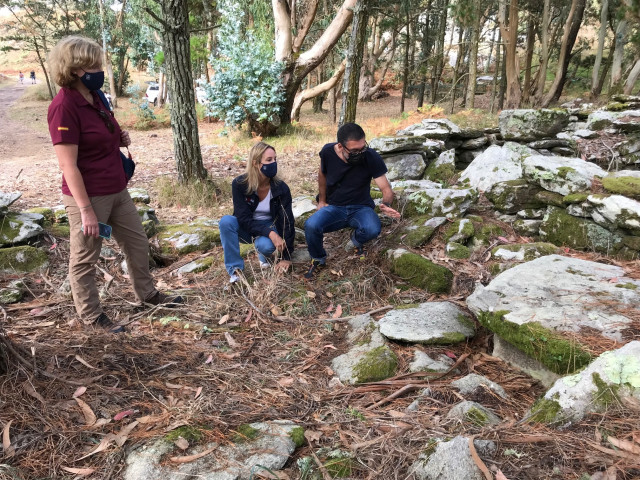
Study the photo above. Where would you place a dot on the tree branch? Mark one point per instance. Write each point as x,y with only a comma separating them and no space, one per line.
310,93
307,20
156,18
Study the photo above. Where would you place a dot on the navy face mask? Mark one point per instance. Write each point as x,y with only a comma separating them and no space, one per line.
269,170
93,81
355,158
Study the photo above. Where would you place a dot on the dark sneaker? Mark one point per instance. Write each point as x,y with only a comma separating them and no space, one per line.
361,252
165,300
315,267
104,322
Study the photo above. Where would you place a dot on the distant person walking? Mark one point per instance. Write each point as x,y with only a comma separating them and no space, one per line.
32,76
21,77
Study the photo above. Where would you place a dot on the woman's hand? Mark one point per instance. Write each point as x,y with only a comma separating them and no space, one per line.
277,240
89,222
282,266
125,139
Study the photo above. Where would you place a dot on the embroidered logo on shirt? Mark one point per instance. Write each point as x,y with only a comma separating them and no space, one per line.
66,129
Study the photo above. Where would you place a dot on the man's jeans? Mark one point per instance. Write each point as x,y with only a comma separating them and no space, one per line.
231,235
361,218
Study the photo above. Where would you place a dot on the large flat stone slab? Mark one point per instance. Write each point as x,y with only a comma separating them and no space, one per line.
530,305
429,323
560,174
496,164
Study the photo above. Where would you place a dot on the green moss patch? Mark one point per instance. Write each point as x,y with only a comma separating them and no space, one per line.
46,212
457,250
545,411
627,186
22,259
375,365
422,273
189,433
246,433
607,394
297,435
476,417
60,230
577,197
550,198
557,353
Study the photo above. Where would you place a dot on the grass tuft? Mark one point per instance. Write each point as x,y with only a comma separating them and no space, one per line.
201,194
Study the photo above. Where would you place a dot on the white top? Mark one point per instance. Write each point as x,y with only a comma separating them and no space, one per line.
263,211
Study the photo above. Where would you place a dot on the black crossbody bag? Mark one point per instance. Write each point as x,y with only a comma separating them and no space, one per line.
128,164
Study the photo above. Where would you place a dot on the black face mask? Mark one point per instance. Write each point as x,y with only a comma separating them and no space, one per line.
356,158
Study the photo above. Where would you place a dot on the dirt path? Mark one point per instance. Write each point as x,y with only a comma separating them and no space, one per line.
26,157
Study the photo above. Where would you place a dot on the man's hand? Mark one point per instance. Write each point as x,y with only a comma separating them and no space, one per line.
389,212
277,240
321,204
282,266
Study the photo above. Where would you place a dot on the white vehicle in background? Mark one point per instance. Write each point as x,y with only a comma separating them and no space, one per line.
152,93
201,96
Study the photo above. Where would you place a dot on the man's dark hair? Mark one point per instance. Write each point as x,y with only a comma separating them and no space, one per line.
350,131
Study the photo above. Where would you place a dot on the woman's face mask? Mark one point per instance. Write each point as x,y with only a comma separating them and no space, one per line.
269,170
93,80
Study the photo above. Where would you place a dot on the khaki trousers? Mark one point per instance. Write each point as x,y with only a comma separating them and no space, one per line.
118,211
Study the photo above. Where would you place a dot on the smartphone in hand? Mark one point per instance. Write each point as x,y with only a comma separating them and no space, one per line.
104,230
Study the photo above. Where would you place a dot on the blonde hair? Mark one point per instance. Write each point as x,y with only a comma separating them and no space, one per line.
71,53
252,174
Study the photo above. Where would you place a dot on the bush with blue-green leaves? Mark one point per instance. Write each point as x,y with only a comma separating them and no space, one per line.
247,85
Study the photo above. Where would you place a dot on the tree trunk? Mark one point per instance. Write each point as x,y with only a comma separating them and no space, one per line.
572,27
405,63
632,78
473,58
50,85
105,58
298,66
425,49
368,94
456,70
333,100
605,70
123,70
494,87
510,37
503,79
602,35
528,58
354,64
314,92
544,51
618,55
438,65
491,44
184,123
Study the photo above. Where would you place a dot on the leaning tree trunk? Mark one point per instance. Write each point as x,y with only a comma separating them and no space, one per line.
405,63
512,66
473,59
602,34
632,78
494,83
50,85
526,90
105,59
544,51
438,65
618,55
354,64
572,27
184,122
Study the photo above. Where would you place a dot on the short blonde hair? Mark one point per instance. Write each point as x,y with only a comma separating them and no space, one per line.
252,173
71,53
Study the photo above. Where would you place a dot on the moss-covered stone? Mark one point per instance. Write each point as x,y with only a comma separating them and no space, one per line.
514,195
550,198
627,186
150,228
457,250
10,295
557,353
545,411
46,212
17,228
476,417
60,230
422,273
440,172
606,394
375,365
416,234
186,238
633,242
616,106
245,433
439,202
22,259
628,286
459,231
578,197
527,251
526,227
487,232
562,229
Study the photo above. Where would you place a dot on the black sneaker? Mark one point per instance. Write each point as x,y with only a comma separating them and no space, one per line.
165,300
315,267
104,322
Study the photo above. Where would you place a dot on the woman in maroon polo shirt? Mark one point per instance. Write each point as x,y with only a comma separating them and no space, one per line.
87,141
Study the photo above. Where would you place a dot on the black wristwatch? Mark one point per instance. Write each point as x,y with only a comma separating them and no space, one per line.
387,204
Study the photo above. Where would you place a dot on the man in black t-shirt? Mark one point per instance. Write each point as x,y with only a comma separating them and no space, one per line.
344,199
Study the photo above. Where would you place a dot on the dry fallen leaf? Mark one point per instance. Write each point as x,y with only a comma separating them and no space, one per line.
209,359
89,416
232,343
500,475
198,392
276,311
191,458
182,443
224,319
123,434
311,294
338,312
624,445
79,392
312,436
32,391
329,295
104,444
8,449
286,382
121,415
82,472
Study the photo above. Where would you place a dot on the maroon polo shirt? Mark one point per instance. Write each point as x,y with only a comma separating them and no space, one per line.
73,120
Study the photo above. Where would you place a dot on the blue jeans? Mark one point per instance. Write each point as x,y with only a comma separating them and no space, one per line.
361,218
231,235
